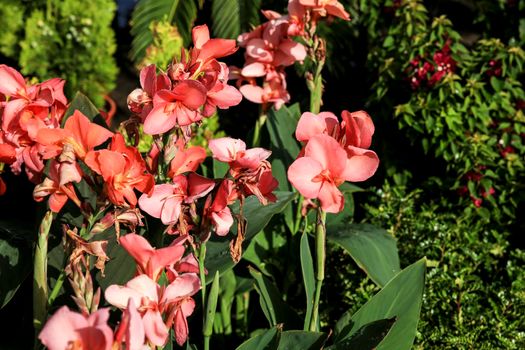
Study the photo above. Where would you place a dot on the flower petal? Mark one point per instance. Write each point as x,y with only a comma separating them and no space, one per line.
301,174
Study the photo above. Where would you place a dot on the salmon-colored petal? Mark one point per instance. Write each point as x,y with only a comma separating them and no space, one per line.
60,330
187,160
252,93
183,286
51,136
154,327
91,161
170,212
359,128
111,163
200,36
145,286
7,153
327,151
164,257
255,69
181,328
332,200
138,247
12,81
135,335
56,201
225,149
290,52
11,110
148,77
158,121
310,125
153,204
217,48
119,296
222,220
301,174
191,93
252,158
198,186
257,48
361,164
88,134
337,10
226,97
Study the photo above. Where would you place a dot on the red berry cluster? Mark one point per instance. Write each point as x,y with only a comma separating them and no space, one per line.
423,72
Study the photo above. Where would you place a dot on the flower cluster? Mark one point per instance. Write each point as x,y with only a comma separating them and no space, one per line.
191,89
25,109
334,152
424,72
270,49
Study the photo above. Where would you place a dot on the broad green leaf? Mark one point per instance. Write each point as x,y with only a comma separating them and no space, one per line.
219,169
273,306
367,337
307,268
232,17
265,341
257,215
120,268
281,126
83,104
15,265
294,340
372,248
401,298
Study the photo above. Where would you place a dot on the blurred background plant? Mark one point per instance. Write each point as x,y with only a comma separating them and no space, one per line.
70,39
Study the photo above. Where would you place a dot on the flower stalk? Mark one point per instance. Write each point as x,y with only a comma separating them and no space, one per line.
40,289
320,256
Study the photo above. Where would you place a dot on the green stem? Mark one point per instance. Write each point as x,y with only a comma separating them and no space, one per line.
56,288
202,275
320,249
257,130
40,289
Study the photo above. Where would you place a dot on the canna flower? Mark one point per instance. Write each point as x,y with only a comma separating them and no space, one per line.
218,210
326,7
79,133
178,106
67,330
150,261
153,301
166,200
58,194
131,328
140,101
123,171
186,160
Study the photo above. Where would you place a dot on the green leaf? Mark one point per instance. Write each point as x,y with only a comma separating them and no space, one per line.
211,306
400,298
372,248
15,265
83,104
281,126
180,13
307,268
220,169
121,266
232,17
265,341
257,216
273,306
293,340
367,337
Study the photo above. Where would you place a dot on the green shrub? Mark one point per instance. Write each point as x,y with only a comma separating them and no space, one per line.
73,40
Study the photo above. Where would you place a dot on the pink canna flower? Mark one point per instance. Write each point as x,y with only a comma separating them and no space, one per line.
78,132
326,7
67,330
166,200
123,170
150,261
140,101
145,293
206,49
218,210
178,106
319,173
234,152
131,328
58,194
186,160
